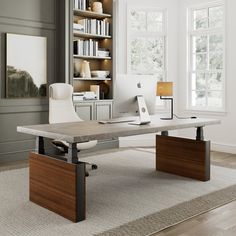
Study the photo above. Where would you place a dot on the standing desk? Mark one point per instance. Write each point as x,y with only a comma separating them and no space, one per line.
60,186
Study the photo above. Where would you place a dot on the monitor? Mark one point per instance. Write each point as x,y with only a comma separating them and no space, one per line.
126,90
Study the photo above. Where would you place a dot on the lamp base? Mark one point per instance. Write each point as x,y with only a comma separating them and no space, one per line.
166,118
171,111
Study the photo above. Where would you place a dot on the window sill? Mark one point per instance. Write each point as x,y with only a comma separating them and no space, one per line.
203,112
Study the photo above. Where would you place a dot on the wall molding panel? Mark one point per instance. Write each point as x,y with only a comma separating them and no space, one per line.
29,17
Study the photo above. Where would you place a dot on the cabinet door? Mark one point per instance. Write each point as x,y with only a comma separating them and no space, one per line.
103,110
84,110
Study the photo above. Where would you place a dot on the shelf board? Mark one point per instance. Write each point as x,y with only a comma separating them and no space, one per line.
86,35
91,14
92,78
92,57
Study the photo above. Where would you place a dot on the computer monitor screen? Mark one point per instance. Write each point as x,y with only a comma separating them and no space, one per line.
126,90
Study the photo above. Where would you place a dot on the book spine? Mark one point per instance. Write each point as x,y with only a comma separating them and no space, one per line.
87,48
90,47
96,27
75,47
81,47
103,27
108,28
82,5
76,5
86,25
100,27
93,26
96,50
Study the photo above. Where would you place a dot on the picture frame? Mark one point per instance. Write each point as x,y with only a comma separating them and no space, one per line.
26,66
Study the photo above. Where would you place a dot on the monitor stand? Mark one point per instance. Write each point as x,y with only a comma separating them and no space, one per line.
144,117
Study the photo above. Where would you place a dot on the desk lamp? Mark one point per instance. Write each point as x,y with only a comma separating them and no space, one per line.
166,89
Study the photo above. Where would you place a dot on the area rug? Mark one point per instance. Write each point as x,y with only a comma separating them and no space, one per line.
125,196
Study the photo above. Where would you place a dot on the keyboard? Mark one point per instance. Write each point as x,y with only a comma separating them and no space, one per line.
115,121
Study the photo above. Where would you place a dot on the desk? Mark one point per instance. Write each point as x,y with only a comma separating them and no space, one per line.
61,186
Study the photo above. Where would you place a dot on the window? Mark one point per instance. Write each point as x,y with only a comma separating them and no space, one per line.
146,42
206,58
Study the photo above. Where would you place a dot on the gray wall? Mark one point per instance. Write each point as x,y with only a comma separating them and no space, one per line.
31,17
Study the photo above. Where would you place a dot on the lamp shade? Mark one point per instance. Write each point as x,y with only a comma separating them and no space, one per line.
164,88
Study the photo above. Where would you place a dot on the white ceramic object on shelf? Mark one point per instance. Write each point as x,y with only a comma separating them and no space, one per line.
85,70
97,7
96,90
100,73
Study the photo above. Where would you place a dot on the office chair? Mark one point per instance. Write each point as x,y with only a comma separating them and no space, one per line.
61,110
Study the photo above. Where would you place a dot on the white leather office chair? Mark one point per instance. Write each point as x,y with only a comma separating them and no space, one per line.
61,110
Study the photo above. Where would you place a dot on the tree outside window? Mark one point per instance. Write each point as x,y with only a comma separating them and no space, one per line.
146,42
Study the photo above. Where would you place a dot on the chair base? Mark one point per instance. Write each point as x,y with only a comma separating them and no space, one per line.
64,149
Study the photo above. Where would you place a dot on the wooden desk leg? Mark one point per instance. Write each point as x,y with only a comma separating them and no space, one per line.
58,186
184,157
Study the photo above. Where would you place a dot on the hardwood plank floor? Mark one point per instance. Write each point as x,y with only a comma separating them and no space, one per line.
218,222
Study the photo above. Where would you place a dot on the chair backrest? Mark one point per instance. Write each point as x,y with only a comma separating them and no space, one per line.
61,108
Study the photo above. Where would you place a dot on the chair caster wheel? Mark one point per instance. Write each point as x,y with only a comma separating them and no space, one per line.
94,167
86,174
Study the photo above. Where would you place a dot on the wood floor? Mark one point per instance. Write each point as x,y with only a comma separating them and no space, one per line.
218,222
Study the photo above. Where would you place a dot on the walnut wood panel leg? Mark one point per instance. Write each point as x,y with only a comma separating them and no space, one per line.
184,157
58,186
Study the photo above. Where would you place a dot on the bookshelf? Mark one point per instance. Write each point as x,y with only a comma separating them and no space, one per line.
92,57
87,35
91,14
92,41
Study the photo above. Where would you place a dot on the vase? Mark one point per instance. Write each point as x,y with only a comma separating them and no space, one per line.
85,70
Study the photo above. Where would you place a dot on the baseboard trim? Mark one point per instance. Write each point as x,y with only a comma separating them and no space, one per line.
219,147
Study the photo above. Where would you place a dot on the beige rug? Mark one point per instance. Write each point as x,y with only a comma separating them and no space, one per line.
124,189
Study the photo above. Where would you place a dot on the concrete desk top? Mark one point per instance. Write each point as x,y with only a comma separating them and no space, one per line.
91,130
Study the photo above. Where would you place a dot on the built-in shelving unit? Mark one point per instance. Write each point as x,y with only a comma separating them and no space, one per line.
92,34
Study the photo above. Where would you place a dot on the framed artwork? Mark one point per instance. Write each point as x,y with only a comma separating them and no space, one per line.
26,72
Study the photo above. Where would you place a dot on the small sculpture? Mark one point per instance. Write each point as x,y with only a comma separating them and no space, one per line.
97,7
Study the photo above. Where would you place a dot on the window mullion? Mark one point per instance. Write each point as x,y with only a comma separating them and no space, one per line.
211,100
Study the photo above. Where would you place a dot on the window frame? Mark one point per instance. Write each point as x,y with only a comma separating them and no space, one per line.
191,32
162,34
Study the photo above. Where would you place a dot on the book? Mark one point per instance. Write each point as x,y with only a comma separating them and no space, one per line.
76,4
78,27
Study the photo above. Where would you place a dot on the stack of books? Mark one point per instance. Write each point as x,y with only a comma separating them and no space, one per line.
103,52
85,47
93,26
80,4
78,27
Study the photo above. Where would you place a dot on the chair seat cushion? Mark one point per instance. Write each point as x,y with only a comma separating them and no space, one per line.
80,146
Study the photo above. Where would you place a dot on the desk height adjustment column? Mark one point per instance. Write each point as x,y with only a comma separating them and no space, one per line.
72,153
39,145
199,135
164,133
